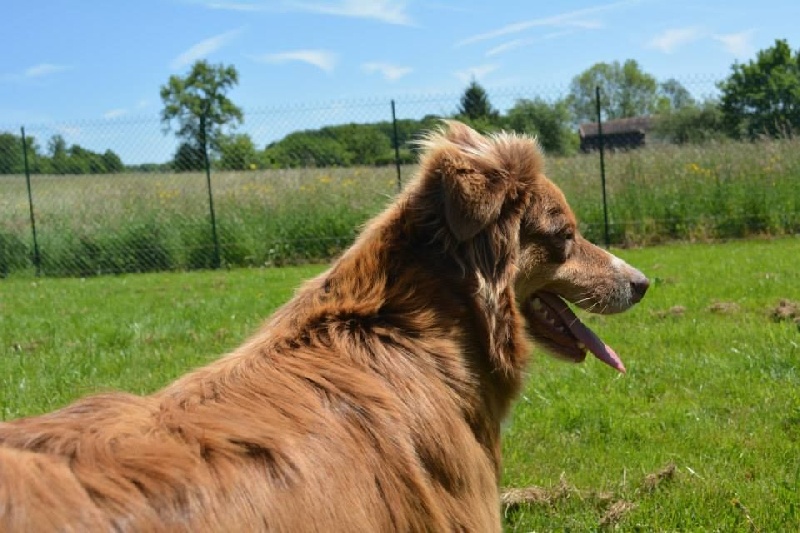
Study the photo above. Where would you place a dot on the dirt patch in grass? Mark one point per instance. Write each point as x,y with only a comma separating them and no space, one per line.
514,497
786,310
651,481
616,507
616,512
675,310
724,308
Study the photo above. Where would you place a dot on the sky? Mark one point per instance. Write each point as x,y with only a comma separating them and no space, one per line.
91,69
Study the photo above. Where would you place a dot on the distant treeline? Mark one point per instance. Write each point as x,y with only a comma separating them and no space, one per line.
59,159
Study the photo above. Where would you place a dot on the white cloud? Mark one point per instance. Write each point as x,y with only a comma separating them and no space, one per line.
739,44
519,43
143,103
235,6
511,45
37,71
115,113
570,19
476,72
670,40
388,11
322,59
44,69
388,71
203,49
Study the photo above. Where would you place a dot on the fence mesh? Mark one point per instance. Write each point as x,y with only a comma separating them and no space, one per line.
293,184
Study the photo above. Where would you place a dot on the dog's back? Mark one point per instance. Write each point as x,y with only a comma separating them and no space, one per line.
323,421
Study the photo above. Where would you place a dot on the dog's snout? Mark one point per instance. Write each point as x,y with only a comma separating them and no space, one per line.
639,285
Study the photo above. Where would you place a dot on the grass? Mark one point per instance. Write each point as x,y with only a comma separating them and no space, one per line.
138,223
702,434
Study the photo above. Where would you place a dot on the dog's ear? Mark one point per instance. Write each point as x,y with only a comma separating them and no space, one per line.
472,200
474,192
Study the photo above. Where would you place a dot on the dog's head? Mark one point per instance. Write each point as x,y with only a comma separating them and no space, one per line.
515,228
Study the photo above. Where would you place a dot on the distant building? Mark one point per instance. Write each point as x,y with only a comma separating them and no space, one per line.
619,134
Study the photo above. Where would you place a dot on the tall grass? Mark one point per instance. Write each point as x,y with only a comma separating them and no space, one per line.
136,223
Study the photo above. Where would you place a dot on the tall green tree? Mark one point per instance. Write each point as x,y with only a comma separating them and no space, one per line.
475,105
59,159
762,97
197,107
549,122
625,91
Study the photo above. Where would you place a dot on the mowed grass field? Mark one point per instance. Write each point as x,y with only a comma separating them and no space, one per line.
154,222
702,434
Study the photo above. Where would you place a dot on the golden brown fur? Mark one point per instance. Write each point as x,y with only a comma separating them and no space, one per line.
372,401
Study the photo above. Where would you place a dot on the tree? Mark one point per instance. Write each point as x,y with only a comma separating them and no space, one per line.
475,104
189,157
365,143
112,162
237,152
550,123
198,105
762,97
10,154
306,149
59,159
692,123
673,96
625,91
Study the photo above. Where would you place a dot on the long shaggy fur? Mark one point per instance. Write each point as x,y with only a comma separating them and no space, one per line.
372,401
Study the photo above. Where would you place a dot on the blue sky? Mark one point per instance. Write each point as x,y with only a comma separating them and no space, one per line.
104,60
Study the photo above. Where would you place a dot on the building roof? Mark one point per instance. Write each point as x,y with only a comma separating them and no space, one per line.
617,126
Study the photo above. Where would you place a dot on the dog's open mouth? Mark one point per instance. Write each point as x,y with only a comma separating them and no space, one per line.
552,324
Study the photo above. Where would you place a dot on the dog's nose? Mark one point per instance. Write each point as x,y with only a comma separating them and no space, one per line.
639,285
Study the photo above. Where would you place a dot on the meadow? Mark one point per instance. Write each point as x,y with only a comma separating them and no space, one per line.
701,434
153,222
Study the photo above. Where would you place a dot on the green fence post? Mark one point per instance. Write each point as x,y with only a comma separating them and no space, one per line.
37,260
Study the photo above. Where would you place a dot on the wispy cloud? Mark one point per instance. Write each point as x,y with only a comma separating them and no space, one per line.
388,71
671,39
507,47
572,19
35,72
246,7
520,43
737,44
322,59
478,71
204,48
44,69
115,113
388,11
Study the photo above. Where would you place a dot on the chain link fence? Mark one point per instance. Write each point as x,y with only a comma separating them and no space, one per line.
293,184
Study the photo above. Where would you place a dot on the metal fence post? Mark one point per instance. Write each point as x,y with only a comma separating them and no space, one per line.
216,259
396,149
602,167
37,260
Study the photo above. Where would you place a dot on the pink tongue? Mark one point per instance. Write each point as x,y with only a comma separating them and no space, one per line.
588,337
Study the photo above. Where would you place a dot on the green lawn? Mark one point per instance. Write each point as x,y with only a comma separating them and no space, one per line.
703,433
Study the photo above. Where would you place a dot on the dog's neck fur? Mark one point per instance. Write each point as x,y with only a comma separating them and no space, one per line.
476,308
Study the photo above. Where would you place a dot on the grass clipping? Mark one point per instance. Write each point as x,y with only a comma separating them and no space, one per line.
617,508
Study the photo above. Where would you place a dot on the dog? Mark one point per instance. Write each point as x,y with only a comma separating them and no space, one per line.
372,400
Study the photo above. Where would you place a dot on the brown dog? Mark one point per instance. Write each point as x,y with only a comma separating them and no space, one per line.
372,401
